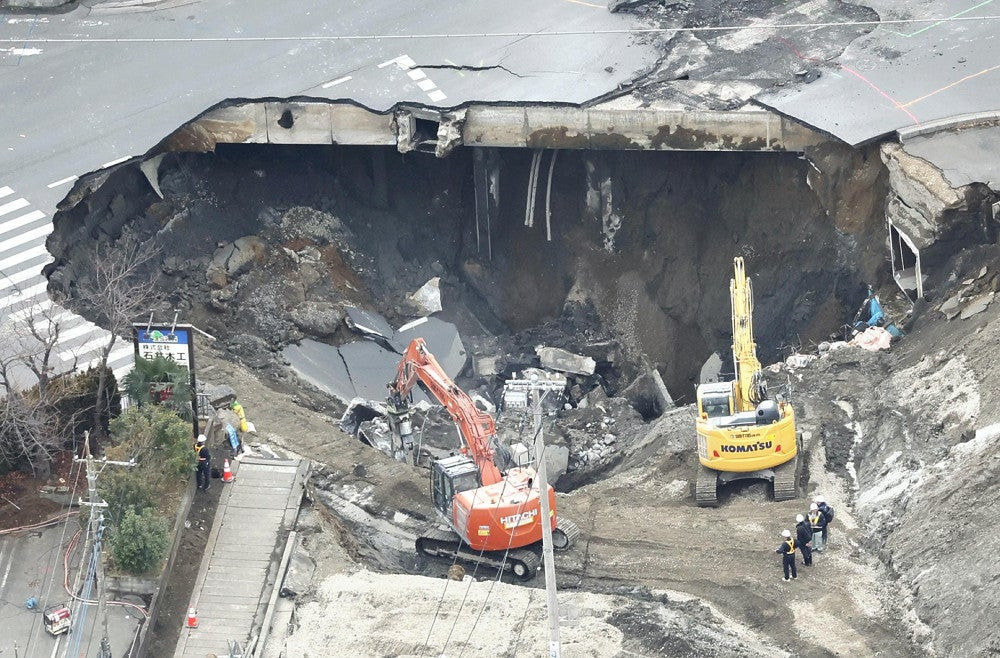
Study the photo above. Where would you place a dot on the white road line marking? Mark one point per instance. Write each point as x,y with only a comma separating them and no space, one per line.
68,179
390,62
114,162
22,256
55,647
11,280
42,312
5,191
11,206
427,85
18,222
437,95
35,233
32,311
76,332
86,348
3,549
24,295
6,573
405,62
416,74
327,85
121,352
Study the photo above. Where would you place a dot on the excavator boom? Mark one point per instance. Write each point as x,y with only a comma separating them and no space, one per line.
475,426
496,515
750,388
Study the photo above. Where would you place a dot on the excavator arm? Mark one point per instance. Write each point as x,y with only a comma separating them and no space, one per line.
475,426
750,388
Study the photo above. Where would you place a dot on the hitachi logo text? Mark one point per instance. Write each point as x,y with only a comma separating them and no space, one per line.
515,520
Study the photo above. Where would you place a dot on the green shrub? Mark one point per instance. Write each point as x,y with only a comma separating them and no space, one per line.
140,541
127,489
157,438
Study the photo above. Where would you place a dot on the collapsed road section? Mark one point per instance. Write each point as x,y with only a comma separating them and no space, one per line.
316,246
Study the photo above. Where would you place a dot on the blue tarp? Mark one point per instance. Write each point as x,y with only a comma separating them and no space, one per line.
875,308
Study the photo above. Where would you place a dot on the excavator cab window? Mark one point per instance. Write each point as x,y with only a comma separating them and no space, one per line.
716,407
450,476
442,487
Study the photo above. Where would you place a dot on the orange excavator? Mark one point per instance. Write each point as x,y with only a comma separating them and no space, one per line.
495,513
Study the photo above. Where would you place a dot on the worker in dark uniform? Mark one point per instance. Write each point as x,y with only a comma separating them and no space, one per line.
787,551
803,537
827,512
204,475
817,521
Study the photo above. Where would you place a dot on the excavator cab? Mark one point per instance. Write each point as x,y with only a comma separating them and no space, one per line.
715,400
450,476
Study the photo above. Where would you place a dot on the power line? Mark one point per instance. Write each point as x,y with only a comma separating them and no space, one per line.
62,538
492,35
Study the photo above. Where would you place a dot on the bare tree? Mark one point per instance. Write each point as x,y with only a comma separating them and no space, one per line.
119,286
31,426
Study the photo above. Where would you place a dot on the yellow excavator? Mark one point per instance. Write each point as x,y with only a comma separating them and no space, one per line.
743,433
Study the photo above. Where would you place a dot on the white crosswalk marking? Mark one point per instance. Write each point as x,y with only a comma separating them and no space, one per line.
36,311
123,353
24,295
22,256
34,234
9,282
11,206
26,246
18,222
76,332
86,348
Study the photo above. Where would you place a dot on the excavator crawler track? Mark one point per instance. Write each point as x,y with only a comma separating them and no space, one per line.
786,478
706,490
522,562
565,534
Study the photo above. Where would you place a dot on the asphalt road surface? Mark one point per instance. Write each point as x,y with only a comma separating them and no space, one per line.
31,564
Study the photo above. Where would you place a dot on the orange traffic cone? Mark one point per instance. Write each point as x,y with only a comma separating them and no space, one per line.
192,618
227,473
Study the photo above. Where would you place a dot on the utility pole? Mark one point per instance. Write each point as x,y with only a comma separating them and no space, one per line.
548,558
95,531
519,394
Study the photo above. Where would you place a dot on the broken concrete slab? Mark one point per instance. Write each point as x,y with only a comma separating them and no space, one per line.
555,358
976,306
363,368
951,305
370,324
427,299
299,575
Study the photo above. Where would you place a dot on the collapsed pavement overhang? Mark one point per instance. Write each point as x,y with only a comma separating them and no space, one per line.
411,127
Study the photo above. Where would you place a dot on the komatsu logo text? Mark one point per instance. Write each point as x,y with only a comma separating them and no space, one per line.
750,447
515,520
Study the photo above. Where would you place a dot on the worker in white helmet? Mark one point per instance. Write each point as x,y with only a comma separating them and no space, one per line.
204,457
803,536
787,552
817,521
